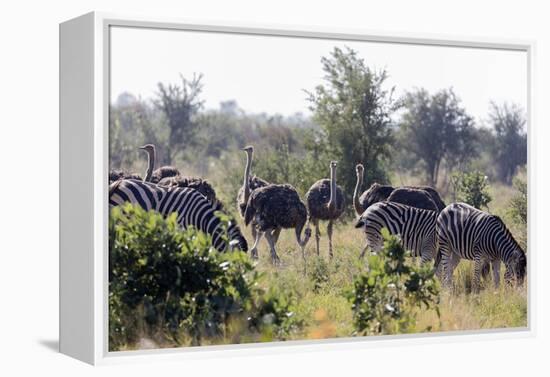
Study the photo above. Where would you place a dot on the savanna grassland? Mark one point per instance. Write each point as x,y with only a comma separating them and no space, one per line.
318,293
420,139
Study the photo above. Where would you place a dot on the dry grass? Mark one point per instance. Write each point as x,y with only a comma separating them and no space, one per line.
328,313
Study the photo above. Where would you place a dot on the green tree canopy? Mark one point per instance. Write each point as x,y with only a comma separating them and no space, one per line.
180,104
508,121
354,111
437,128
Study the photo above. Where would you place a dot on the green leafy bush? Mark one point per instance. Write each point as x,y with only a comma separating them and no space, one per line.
518,204
471,188
173,286
179,281
385,299
274,315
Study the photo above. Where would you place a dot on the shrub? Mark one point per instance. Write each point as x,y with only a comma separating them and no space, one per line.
471,188
172,284
518,204
386,298
182,285
274,315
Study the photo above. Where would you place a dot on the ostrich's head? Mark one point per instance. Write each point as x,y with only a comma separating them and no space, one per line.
359,169
149,148
333,164
249,149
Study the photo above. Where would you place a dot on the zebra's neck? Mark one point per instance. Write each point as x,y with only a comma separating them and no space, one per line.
504,245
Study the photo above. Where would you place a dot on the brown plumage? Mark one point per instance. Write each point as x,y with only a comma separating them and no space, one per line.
115,175
413,197
197,183
325,201
253,184
275,207
164,172
423,197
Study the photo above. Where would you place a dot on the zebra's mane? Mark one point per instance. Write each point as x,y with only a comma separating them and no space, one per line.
507,232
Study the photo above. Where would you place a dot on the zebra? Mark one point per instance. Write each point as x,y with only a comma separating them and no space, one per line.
415,226
466,232
193,209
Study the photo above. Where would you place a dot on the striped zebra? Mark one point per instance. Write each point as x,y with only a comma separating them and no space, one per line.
415,226
193,208
466,232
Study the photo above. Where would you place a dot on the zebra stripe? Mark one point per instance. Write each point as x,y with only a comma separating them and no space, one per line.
192,208
415,226
466,232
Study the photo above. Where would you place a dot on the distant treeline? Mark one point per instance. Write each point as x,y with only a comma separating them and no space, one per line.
356,119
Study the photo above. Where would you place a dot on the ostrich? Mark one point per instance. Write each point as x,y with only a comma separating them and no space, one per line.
197,183
154,176
250,184
275,207
423,197
325,201
115,175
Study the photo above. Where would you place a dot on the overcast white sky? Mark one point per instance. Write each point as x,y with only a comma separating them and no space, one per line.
268,74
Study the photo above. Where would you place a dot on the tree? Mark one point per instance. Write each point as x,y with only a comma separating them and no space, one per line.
508,121
472,188
180,104
437,129
354,111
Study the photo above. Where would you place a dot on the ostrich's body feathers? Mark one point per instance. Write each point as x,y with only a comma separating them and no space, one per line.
275,206
318,197
423,197
197,183
164,172
254,183
115,175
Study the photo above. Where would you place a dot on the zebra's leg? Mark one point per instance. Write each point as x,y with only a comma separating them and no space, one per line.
485,270
271,241
329,233
478,265
317,234
364,250
450,261
496,272
257,235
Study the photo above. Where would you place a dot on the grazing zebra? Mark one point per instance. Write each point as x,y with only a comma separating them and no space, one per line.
466,232
415,226
193,208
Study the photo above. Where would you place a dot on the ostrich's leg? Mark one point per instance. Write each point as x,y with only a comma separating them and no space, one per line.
276,232
317,234
257,235
329,232
271,241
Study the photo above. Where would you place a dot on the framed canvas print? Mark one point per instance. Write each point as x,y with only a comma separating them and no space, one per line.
243,187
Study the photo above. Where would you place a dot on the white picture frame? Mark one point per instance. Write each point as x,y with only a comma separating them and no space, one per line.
84,111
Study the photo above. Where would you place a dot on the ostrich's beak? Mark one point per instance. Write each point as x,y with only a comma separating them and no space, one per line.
142,147
360,223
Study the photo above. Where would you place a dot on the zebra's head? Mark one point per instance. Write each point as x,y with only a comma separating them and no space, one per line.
236,238
372,232
516,269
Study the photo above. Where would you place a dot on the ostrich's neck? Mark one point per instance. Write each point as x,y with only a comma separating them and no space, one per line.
246,183
150,166
357,192
332,200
